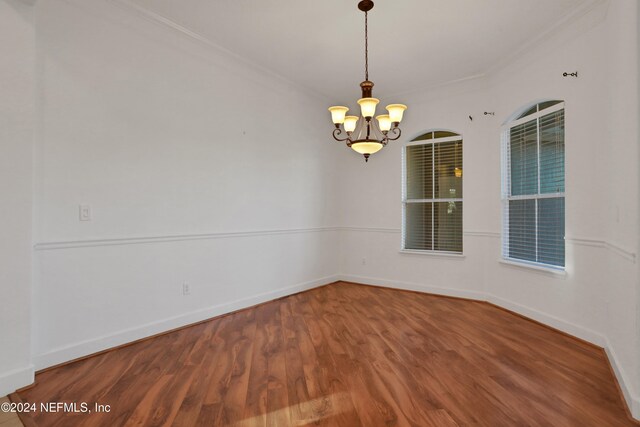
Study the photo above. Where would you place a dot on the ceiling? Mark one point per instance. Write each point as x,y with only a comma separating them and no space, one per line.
413,44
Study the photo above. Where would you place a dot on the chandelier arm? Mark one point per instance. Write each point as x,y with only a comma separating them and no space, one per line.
395,130
377,132
337,132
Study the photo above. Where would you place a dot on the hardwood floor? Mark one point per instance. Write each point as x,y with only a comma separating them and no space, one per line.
345,355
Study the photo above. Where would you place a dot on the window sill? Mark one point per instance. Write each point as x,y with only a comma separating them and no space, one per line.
561,272
452,255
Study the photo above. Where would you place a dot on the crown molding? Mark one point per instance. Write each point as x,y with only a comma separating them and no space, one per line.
579,12
435,85
168,24
523,50
567,24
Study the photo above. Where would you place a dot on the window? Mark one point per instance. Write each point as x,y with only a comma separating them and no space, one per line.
432,196
533,186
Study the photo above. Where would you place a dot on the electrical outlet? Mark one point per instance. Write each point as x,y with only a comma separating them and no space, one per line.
186,290
84,212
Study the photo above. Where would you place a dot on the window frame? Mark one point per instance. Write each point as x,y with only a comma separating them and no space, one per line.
405,200
505,181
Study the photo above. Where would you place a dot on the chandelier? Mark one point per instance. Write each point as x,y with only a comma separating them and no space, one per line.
365,135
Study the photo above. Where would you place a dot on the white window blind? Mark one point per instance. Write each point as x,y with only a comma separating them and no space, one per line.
432,199
533,186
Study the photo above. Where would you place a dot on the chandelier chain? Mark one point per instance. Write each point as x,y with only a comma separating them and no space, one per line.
366,45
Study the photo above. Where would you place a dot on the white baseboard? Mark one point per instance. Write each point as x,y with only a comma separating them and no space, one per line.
633,402
95,345
12,380
409,286
549,320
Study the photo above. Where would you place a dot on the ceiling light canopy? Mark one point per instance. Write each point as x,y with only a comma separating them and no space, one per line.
365,134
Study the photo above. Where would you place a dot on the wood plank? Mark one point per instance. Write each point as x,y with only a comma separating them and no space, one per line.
344,355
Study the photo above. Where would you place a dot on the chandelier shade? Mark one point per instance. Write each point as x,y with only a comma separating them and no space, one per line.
396,112
368,106
364,134
338,114
366,147
350,123
384,122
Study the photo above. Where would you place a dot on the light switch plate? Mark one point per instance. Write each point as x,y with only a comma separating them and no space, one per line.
85,213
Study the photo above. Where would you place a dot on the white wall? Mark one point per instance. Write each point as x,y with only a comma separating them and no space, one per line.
622,216
178,149
175,146
636,410
597,298
17,56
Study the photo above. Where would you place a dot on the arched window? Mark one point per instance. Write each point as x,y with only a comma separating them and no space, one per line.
533,190
432,196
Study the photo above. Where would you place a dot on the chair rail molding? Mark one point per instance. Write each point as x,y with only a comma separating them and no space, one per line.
115,241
